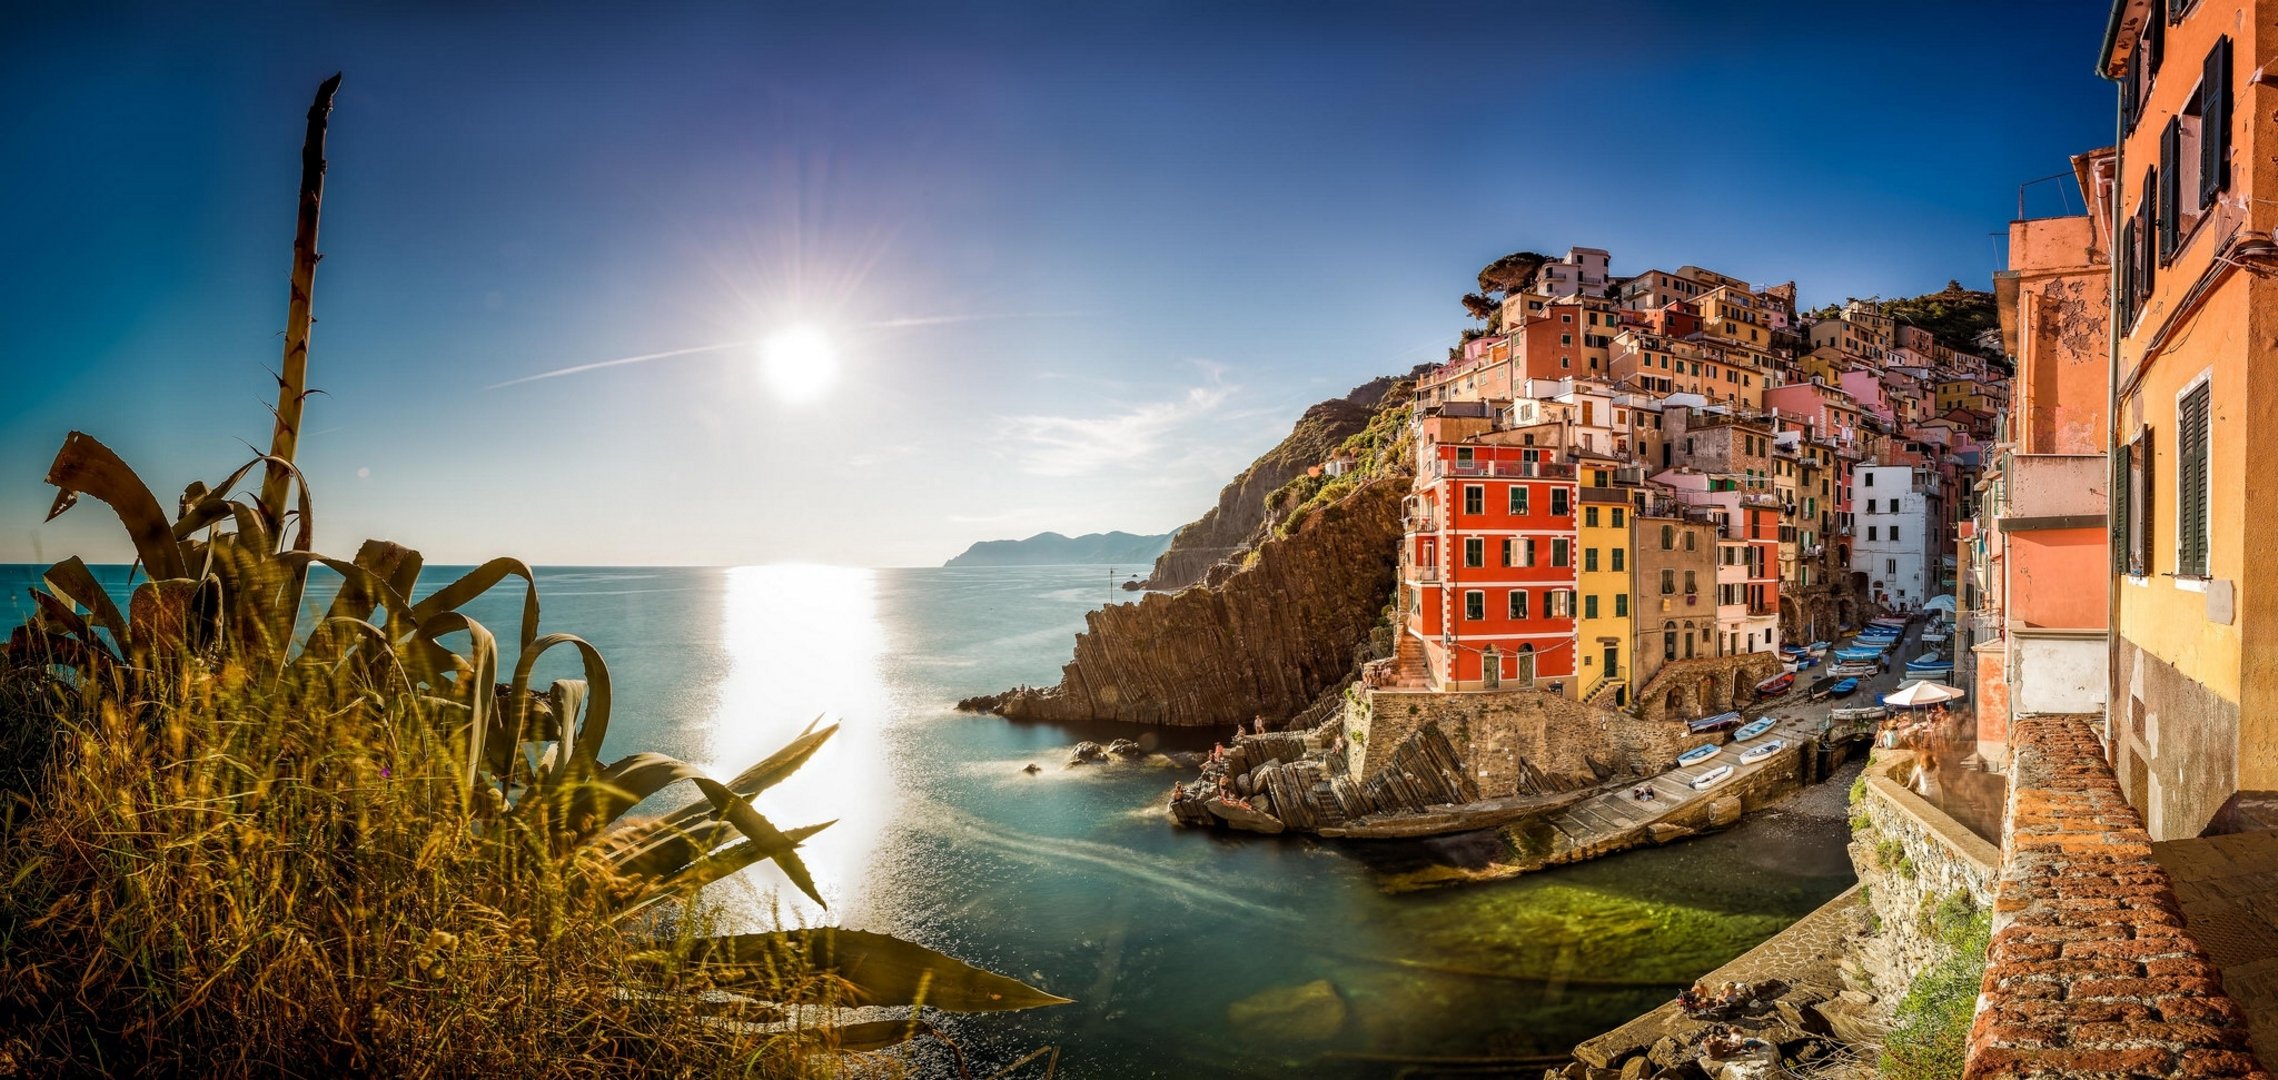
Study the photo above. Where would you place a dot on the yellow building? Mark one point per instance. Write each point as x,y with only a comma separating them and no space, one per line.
1609,490
2193,706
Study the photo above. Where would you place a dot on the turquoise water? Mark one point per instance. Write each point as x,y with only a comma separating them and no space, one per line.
1073,878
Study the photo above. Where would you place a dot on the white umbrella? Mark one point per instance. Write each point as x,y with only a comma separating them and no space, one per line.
1917,694
1940,603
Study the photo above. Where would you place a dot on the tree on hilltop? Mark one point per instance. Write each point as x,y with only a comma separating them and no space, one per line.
1511,272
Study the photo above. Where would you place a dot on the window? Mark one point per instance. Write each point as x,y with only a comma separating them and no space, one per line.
1518,500
2214,102
1474,499
1617,553
1558,502
1518,604
1870,483
1870,506
1621,605
1668,537
2192,434
1509,555
1529,553
1871,533
1590,559
1590,606
1617,522
1590,517
1474,551
2131,485
1894,532
1890,566
1692,541
1691,586
1561,604
1559,553
1474,605
1668,582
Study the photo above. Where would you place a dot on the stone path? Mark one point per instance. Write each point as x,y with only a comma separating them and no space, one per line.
2229,888
1608,818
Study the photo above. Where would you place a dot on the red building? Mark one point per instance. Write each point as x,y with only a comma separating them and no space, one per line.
1488,568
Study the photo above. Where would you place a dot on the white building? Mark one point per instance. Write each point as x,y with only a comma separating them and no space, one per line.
1895,532
1582,271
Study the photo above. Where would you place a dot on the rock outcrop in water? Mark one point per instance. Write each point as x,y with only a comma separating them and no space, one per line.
1268,641
1240,520
1266,634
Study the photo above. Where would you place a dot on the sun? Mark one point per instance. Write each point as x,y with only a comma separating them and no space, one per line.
799,363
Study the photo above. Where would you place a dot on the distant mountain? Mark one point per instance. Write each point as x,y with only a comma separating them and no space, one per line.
1051,548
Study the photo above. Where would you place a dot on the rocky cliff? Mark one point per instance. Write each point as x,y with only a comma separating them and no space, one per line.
1267,641
1241,516
1053,549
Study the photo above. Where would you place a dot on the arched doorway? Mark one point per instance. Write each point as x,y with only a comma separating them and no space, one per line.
1743,687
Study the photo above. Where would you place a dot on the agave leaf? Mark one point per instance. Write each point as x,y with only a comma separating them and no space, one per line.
876,969
739,812
478,682
85,466
768,773
701,872
72,580
581,735
878,1034
479,581
629,780
373,581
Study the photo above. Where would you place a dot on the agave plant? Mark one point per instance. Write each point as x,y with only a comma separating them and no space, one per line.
222,606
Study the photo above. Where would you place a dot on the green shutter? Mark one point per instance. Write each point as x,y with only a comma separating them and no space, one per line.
2146,502
2119,525
2124,293
2146,222
2215,123
2193,436
2155,36
2170,202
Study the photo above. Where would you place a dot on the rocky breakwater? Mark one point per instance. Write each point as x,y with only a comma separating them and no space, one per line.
1275,635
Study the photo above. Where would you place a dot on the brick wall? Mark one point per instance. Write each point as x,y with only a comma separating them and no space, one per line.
2090,971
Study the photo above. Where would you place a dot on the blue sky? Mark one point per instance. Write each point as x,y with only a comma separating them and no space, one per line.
1080,262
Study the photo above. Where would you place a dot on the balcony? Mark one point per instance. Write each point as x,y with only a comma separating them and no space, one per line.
1428,575
1505,470
2054,491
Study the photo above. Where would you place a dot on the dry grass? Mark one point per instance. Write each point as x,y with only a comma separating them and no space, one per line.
291,879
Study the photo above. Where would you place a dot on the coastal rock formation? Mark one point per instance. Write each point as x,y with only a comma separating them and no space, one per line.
1267,641
1239,520
1053,549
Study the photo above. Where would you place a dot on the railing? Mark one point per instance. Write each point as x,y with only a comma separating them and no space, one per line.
1429,575
1510,470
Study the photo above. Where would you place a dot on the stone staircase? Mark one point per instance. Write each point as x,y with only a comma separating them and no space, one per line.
1411,669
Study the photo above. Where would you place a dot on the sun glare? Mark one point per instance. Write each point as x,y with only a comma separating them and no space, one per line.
799,363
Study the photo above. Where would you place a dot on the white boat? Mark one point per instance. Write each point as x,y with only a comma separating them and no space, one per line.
1753,728
1764,751
1712,778
1698,754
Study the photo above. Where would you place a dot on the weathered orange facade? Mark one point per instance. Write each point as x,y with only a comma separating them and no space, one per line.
2194,692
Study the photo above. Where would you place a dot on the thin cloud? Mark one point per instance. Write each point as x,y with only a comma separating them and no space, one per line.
901,323
1083,445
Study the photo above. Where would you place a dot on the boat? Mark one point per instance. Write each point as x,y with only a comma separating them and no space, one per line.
1722,721
1888,620
1844,688
1818,647
1792,649
1819,689
1854,669
1760,753
1859,712
1753,728
1776,685
1807,663
1936,637
1698,754
1867,655
1712,778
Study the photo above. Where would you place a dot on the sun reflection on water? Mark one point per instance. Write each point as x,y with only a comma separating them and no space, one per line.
804,641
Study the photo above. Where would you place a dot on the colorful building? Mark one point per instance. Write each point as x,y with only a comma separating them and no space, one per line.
1489,566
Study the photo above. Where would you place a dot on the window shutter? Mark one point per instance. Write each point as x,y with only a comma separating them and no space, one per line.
2140,556
2215,123
2170,151
2155,36
2146,272
2121,478
2192,438
2124,298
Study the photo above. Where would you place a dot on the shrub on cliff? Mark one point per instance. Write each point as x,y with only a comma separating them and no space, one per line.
1930,1037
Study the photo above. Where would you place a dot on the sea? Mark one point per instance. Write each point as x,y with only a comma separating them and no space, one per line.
1187,953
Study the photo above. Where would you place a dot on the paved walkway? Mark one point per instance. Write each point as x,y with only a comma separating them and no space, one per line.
2229,888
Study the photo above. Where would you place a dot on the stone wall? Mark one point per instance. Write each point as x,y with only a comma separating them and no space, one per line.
2090,970
1689,689
1911,858
2175,745
1513,741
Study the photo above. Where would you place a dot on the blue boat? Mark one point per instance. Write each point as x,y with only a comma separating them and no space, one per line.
1844,688
1698,754
1753,728
1818,647
1807,663
1720,722
1869,655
